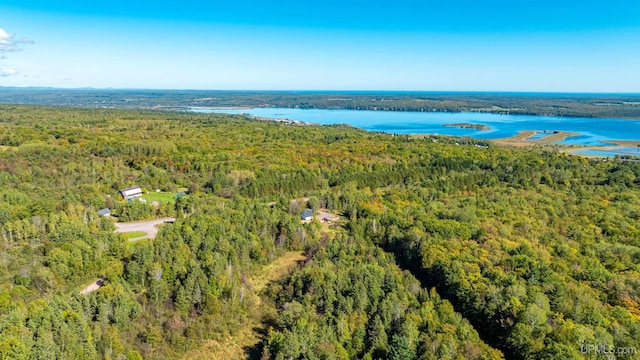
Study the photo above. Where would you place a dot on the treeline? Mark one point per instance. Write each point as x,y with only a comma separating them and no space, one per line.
537,251
541,264
581,105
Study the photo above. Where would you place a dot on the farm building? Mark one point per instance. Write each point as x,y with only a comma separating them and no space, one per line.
130,193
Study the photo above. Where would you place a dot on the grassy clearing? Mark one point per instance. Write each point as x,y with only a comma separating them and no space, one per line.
160,197
275,270
559,136
132,245
520,139
235,346
135,234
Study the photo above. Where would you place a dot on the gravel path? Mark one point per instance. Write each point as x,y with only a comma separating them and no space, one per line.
150,227
323,214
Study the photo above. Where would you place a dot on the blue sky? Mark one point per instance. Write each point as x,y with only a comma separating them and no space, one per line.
495,45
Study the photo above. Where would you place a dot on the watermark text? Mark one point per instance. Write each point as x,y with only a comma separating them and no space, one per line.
608,351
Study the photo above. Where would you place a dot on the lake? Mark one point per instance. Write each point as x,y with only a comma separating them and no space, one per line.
593,131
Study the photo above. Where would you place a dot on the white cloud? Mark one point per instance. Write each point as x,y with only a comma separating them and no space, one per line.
8,42
7,72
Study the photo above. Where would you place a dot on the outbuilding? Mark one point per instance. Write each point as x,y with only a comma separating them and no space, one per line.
130,193
104,212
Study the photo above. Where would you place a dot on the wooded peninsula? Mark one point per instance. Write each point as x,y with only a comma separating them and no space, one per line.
309,242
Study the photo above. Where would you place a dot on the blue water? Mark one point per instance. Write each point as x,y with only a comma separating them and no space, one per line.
592,131
539,135
610,152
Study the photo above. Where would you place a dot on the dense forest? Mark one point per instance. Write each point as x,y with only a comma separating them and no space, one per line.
444,249
580,105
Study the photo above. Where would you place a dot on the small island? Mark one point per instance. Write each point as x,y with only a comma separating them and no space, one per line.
469,126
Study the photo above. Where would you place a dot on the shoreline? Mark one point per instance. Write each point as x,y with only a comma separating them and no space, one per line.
549,137
495,111
522,140
616,145
446,111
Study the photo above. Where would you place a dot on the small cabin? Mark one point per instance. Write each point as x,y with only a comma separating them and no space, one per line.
131,193
307,215
104,212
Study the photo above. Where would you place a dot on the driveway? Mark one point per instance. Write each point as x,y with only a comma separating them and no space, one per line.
322,214
149,226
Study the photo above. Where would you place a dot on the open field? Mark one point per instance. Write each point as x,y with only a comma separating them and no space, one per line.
160,197
136,234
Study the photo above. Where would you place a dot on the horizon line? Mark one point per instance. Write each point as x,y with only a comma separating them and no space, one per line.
319,91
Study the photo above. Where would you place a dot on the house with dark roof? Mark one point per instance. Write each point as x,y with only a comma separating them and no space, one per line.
307,215
104,212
